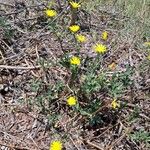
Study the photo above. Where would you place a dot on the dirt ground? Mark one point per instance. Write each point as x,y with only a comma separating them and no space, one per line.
23,126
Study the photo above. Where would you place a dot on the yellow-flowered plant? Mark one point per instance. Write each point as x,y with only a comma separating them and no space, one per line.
56,145
105,35
75,5
75,60
74,28
50,13
115,104
100,48
72,101
80,38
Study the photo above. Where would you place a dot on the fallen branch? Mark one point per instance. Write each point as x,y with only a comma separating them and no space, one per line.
18,67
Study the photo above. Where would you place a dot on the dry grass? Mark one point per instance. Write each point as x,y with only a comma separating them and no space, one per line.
36,77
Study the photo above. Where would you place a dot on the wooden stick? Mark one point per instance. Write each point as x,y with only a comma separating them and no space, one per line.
94,145
18,67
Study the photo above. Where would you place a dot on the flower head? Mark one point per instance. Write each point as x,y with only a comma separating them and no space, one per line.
80,38
100,48
115,104
105,35
75,5
51,13
72,101
75,60
74,28
56,145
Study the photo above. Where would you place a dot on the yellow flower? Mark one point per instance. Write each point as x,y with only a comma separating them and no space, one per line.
105,35
80,38
72,101
75,5
112,66
51,13
75,60
100,48
147,43
56,145
115,104
74,28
